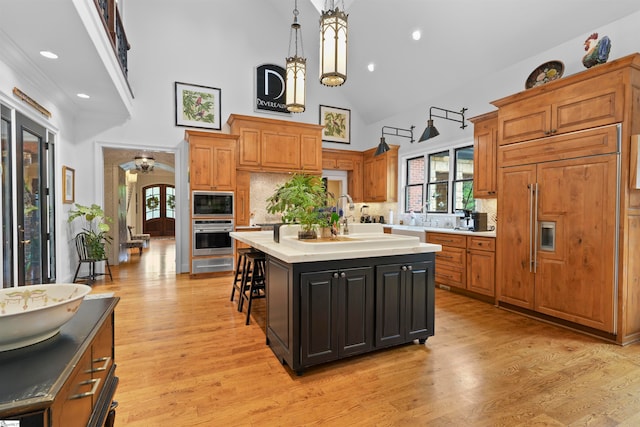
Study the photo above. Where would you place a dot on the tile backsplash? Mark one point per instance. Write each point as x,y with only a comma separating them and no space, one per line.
263,185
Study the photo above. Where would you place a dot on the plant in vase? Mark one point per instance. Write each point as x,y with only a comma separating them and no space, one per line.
300,200
94,226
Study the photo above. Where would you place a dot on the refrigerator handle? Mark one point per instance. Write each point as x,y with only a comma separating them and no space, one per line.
535,231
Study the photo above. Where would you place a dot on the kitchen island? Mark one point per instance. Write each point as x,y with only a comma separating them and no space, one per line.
330,299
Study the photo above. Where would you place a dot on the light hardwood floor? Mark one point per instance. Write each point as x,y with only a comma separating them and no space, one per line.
186,358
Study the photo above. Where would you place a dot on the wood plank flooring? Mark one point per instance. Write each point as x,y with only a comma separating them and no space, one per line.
186,358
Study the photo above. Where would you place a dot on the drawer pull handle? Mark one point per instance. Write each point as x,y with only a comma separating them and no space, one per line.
445,256
106,361
96,383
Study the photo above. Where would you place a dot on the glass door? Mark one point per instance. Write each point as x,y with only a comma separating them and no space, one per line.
6,212
34,167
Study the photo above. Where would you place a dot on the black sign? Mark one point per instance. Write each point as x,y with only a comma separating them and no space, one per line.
271,89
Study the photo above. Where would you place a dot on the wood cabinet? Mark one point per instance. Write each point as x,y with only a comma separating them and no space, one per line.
276,145
66,380
466,262
243,198
481,265
402,300
212,158
596,100
351,162
326,310
451,261
337,313
568,218
557,222
485,154
381,175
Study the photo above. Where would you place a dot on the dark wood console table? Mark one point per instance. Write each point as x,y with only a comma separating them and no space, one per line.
67,380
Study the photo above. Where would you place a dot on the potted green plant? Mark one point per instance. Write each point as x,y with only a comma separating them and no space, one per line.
94,226
300,200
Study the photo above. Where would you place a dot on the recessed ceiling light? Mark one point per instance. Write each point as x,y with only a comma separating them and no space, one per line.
83,96
416,35
371,67
48,54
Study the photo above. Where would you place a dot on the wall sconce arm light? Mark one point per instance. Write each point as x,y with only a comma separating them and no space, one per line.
431,131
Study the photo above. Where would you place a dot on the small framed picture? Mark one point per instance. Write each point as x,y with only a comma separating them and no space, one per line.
337,124
197,106
68,185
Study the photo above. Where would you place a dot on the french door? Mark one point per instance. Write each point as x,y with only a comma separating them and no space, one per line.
28,214
159,210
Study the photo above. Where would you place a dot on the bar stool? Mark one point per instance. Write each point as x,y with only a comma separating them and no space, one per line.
241,266
253,284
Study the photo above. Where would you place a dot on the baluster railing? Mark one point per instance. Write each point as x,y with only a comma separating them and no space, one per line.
112,21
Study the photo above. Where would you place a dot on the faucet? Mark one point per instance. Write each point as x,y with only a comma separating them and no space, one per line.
351,207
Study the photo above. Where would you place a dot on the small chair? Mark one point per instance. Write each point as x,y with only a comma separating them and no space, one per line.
253,284
84,258
145,237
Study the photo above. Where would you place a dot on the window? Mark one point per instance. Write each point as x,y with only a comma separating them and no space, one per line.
414,192
463,182
438,183
435,174
152,203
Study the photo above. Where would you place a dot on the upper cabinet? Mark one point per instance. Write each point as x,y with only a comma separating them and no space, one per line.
542,111
212,160
349,161
270,145
381,175
485,146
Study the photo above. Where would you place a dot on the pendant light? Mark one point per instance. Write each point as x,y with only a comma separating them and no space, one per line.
333,45
296,68
144,164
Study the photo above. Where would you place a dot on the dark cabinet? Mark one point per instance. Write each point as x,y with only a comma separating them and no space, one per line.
403,295
68,379
336,314
323,311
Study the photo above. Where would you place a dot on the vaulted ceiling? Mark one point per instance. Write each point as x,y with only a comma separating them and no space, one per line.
461,41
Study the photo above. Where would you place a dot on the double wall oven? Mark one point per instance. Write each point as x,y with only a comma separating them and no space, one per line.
212,221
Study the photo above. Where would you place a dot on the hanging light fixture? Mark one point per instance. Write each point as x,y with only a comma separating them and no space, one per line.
383,147
296,68
333,44
144,163
431,131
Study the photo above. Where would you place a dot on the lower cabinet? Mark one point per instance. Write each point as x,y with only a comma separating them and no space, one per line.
336,313
402,300
318,312
466,262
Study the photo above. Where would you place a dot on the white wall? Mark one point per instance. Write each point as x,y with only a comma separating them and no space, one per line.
221,48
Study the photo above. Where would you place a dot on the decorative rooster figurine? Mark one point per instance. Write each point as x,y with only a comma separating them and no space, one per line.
597,50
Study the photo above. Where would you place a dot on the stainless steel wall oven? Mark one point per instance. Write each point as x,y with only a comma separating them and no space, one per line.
211,237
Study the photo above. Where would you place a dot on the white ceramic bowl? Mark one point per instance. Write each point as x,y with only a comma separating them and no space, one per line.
30,314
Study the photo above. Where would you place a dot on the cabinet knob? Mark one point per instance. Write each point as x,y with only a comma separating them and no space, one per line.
335,275
343,274
404,268
409,267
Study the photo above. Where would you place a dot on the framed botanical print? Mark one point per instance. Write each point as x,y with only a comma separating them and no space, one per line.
337,124
68,185
197,106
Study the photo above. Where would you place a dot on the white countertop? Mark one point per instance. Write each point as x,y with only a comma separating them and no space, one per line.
441,230
364,241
